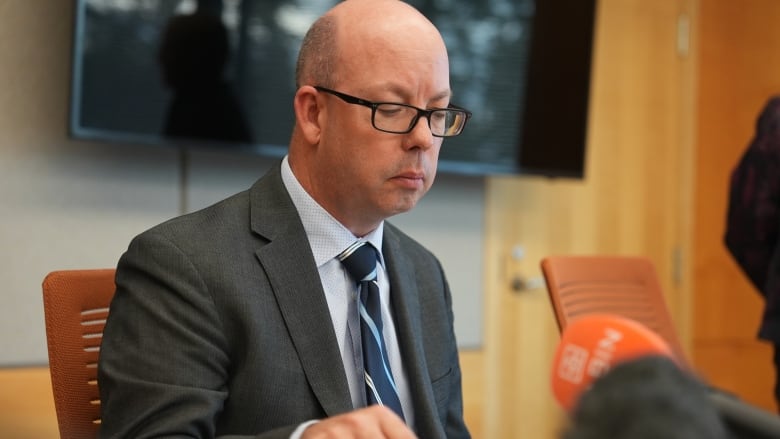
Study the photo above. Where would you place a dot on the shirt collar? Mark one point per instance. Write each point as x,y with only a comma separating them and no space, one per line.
327,237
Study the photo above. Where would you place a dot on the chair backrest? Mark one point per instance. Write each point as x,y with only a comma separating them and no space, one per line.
626,286
75,304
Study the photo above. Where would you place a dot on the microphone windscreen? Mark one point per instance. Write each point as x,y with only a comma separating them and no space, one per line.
591,345
649,397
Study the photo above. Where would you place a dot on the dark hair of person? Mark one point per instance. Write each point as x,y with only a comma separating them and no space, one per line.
647,398
317,57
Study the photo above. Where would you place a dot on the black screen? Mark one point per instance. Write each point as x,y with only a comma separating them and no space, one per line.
521,66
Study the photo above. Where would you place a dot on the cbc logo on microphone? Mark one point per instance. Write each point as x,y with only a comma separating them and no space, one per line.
574,359
577,361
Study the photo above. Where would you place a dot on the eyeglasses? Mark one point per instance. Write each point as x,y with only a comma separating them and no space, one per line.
392,117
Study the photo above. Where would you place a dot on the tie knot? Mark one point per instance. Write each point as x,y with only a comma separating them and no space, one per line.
360,261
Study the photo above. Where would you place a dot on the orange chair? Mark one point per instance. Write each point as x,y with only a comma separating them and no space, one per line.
75,304
626,286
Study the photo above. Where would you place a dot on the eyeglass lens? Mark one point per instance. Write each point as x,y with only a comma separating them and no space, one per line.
400,119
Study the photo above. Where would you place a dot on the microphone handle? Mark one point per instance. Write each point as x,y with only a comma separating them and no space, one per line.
744,420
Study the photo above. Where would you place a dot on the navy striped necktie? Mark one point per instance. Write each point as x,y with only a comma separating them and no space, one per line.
360,260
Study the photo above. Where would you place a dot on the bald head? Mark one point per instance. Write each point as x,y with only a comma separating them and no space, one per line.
360,30
367,50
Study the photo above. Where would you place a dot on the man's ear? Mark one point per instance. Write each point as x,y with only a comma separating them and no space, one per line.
308,113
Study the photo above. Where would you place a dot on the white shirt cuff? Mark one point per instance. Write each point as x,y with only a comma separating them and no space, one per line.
299,431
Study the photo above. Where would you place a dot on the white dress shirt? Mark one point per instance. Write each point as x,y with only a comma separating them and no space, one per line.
328,238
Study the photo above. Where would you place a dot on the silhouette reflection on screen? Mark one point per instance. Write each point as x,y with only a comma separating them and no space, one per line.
193,56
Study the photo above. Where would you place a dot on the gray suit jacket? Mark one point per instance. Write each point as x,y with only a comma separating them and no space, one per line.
220,328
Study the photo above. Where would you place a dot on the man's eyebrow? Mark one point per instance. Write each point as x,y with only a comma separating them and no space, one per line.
398,90
442,95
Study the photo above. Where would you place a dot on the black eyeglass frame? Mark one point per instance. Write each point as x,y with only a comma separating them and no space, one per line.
420,111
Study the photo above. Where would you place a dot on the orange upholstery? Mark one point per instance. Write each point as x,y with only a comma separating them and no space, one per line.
626,286
75,305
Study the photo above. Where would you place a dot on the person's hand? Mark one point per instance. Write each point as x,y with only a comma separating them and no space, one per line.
371,422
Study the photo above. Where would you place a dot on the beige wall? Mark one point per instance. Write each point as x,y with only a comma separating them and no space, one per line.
65,204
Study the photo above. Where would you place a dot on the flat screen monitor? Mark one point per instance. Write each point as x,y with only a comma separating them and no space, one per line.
522,67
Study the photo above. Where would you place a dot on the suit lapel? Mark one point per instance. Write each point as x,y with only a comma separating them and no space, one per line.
291,270
406,308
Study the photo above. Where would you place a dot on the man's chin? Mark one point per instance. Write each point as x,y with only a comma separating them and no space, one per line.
404,204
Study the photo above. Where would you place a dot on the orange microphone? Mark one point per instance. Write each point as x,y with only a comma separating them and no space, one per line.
593,344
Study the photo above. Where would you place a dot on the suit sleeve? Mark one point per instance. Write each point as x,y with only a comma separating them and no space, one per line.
164,362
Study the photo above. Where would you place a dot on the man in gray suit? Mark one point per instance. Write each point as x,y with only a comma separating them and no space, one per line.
240,321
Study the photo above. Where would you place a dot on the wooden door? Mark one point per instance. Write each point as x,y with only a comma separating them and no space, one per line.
738,69
630,202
